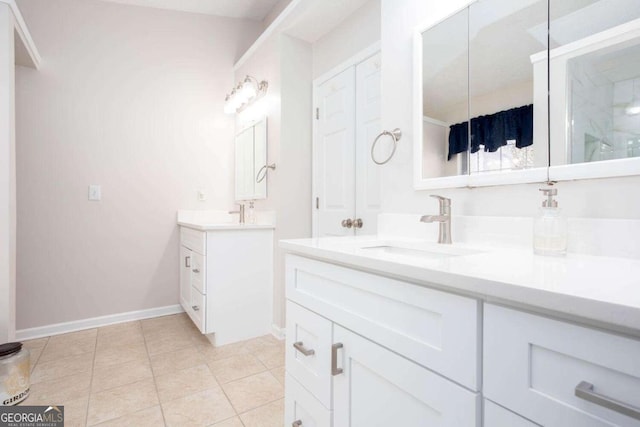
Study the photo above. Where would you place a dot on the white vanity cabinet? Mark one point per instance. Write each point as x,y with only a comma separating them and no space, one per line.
364,350
226,281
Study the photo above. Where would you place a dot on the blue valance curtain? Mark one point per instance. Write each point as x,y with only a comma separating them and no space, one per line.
492,131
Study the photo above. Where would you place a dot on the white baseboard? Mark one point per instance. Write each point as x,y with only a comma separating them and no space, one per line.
95,322
278,332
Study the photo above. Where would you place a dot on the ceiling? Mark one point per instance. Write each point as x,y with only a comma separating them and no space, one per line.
255,10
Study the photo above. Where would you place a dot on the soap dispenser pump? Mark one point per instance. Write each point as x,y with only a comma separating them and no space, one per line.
550,227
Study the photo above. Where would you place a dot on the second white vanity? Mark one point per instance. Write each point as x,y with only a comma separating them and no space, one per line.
226,276
408,333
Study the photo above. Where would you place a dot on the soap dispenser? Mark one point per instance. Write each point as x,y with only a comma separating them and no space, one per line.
251,216
550,227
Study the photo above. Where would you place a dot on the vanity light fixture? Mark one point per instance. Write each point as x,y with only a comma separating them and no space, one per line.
244,94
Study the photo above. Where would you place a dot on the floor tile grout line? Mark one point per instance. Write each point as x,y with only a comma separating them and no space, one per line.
241,378
233,408
260,406
39,355
93,366
155,383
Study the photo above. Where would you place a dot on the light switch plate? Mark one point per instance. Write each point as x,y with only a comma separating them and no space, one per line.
95,193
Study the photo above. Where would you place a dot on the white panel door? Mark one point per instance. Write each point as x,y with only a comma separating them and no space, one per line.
380,388
334,154
367,128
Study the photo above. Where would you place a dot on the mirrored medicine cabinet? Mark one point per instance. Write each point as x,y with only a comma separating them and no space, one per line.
250,162
523,91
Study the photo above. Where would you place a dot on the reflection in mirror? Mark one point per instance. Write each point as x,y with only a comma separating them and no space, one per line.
508,85
250,157
595,80
445,97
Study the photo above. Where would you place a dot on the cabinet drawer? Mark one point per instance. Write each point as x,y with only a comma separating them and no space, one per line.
436,329
300,405
198,272
198,309
194,240
534,364
497,416
309,332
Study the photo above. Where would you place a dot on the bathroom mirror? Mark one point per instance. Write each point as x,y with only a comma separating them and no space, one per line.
250,157
445,99
595,88
482,85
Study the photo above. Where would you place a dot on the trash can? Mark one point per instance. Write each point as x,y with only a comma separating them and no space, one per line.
15,369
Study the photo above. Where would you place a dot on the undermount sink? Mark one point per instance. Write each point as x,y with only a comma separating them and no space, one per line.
422,251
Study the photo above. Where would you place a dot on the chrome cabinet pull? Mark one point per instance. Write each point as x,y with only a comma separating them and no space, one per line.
187,261
334,359
298,346
195,308
357,223
195,270
297,423
347,223
584,391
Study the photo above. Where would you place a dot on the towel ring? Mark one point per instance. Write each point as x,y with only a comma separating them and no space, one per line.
395,134
261,176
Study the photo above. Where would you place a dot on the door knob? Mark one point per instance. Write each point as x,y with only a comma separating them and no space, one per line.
357,223
347,223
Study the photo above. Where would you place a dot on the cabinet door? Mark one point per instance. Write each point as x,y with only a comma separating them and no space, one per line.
497,416
380,388
185,277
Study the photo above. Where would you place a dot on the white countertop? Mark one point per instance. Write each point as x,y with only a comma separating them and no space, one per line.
210,220
204,226
596,289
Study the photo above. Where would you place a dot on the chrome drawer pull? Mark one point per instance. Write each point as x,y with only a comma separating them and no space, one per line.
195,270
334,359
584,390
187,261
195,308
298,346
296,423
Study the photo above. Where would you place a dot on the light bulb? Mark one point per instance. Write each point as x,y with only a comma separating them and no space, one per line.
248,89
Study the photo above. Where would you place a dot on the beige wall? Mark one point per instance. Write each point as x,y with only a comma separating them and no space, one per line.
132,99
285,63
7,177
357,32
606,198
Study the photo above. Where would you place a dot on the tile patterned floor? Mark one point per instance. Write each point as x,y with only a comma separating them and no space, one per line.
155,372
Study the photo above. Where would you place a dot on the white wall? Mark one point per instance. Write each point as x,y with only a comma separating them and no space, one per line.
594,198
357,32
7,176
274,12
285,63
130,98
294,170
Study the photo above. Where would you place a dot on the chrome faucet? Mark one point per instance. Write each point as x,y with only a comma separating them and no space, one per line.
240,213
444,219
